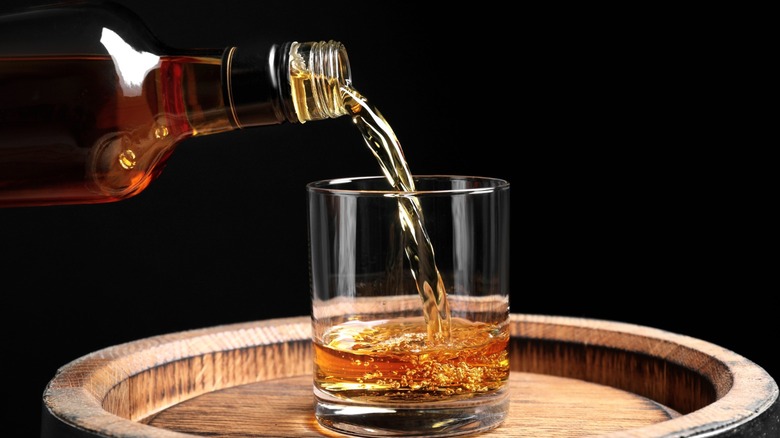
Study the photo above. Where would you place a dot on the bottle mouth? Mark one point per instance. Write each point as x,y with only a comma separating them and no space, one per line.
318,71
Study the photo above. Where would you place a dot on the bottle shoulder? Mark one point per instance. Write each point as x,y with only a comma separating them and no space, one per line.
74,28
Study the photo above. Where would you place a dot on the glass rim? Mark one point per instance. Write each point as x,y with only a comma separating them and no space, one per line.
332,185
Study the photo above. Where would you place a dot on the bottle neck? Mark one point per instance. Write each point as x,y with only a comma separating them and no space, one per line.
253,85
290,82
318,71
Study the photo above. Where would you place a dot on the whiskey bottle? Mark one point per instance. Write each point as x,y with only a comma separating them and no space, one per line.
92,104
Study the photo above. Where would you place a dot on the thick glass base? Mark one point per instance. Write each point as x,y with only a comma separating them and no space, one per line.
439,419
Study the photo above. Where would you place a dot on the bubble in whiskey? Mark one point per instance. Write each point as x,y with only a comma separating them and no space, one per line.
127,159
161,131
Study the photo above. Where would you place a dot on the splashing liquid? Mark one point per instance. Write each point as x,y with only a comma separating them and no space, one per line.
384,145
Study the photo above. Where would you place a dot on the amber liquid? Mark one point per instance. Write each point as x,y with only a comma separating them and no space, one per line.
392,360
384,145
417,359
86,130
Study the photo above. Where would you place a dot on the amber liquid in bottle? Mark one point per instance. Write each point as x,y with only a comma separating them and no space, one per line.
81,129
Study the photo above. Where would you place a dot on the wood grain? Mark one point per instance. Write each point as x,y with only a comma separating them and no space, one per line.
571,377
543,406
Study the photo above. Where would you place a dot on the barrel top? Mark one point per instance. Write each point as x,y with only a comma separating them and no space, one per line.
148,388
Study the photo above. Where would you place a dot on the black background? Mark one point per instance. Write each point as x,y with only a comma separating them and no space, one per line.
622,206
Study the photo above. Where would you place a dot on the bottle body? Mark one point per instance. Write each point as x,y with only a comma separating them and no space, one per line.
83,139
93,116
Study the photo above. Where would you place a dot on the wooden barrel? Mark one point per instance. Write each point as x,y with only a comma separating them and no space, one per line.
571,377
